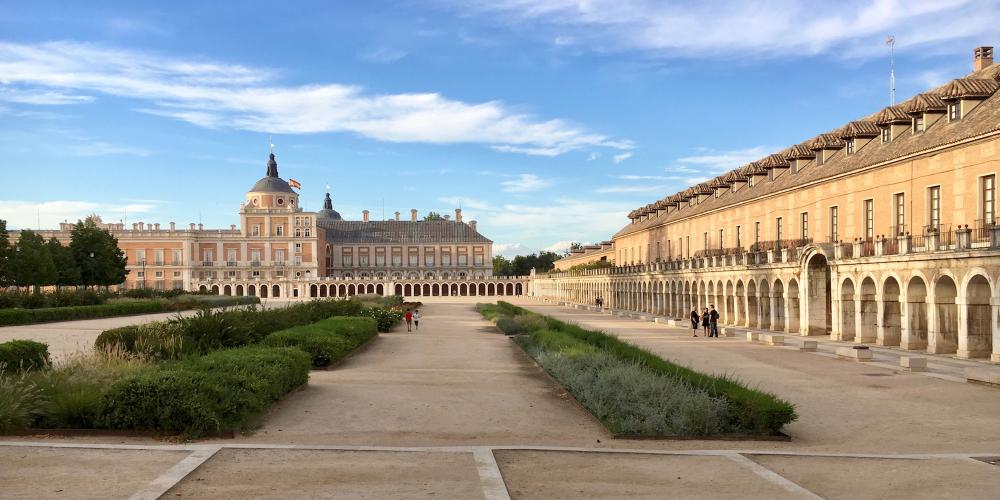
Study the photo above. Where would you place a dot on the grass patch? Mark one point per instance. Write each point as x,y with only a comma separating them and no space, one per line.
615,381
326,341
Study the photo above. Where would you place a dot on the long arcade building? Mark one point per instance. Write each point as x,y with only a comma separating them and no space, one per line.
281,250
882,231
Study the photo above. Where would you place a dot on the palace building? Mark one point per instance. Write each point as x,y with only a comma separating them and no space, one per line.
881,231
281,250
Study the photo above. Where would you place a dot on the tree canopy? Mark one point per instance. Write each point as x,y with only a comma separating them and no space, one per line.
433,216
96,252
521,265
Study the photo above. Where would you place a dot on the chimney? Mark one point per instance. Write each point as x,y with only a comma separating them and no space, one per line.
173,226
364,215
135,226
201,227
232,227
982,58
472,224
191,226
156,226
397,216
413,214
141,226
458,215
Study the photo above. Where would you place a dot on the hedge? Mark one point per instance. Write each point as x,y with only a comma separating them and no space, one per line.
23,355
752,411
19,316
212,330
328,340
223,391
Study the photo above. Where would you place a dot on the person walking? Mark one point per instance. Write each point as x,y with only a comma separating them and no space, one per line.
713,321
695,319
705,322
416,320
409,320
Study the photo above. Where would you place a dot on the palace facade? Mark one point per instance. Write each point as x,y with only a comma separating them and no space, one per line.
881,231
281,250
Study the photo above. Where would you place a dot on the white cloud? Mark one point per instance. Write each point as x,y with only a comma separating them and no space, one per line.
644,177
593,156
43,97
457,201
218,95
766,28
622,157
382,55
634,189
48,214
715,162
525,182
100,148
558,247
510,250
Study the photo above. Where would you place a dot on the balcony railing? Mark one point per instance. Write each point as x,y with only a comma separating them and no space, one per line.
230,263
207,263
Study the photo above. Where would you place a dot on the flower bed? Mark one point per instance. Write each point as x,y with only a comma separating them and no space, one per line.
636,393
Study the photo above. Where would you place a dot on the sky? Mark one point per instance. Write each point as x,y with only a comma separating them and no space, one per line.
547,121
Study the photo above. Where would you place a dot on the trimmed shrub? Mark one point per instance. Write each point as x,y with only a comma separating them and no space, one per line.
19,316
510,326
23,355
385,318
221,391
749,411
326,341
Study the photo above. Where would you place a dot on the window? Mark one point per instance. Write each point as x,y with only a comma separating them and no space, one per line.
429,256
749,181
869,209
380,257
987,196
255,257
670,249
397,256
140,274
722,238
954,111
207,257
256,230
348,257
918,124
657,251
804,225
298,248
159,274
934,209
756,232
177,274
819,157
175,257
834,224
739,236
850,146
718,193
463,257
362,260
279,230
778,228
413,257
688,254
298,232
140,257
231,256
158,256
899,204
477,259
704,243
445,256
886,134
279,257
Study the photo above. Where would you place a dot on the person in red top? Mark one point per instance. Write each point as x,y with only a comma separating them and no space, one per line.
409,319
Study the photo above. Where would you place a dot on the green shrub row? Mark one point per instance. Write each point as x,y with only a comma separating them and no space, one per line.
326,341
19,316
221,391
23,355
212,330
749,411
57,298
385,318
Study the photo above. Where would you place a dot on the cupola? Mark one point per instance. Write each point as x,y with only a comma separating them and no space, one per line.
327,213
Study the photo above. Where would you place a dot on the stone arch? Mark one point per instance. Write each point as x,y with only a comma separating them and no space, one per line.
753,305
436,290
379,289
427,289
408,290
944,334
817,291
323,289
203,289
342,290
275,291
792,302
890,330
741,305
869,310
454,289
518,289
510,289
978,318
764,291
464,290
215,289
263,291
719,299
313,291
227,290
730,304
847,319
398,289
252,290
482,289
239,290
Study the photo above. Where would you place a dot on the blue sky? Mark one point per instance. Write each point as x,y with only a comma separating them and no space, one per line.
548,120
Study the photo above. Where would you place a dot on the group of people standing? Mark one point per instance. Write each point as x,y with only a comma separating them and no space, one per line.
708,319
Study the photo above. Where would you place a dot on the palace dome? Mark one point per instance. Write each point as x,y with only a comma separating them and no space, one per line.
328,213
271,183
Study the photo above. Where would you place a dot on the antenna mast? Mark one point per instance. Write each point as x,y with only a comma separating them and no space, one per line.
891,42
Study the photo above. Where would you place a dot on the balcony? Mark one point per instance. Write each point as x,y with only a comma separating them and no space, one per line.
230,263
207,263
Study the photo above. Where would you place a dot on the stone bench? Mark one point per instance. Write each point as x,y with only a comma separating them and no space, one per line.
771,339
729,331
809,346
913,364
752,336
855,353
982,376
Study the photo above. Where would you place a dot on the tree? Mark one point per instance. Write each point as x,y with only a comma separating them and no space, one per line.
521,265
31,263
501,266
97,255
67,270
575,245
433,216
5,278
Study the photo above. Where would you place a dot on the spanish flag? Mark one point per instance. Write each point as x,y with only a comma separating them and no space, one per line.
294,183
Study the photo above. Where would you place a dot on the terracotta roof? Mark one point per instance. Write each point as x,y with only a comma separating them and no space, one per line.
983,120
719,182
754,168
970,87
774,161
799,151
703,188
734,176
859,129
391,231
921,103
826,141
892,114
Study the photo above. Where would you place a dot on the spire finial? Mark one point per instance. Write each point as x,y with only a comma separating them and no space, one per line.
270,142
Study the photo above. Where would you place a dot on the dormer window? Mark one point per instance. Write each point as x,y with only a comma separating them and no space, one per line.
850,146
954,111
718,193
886,134
749,181
918,124
819,157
